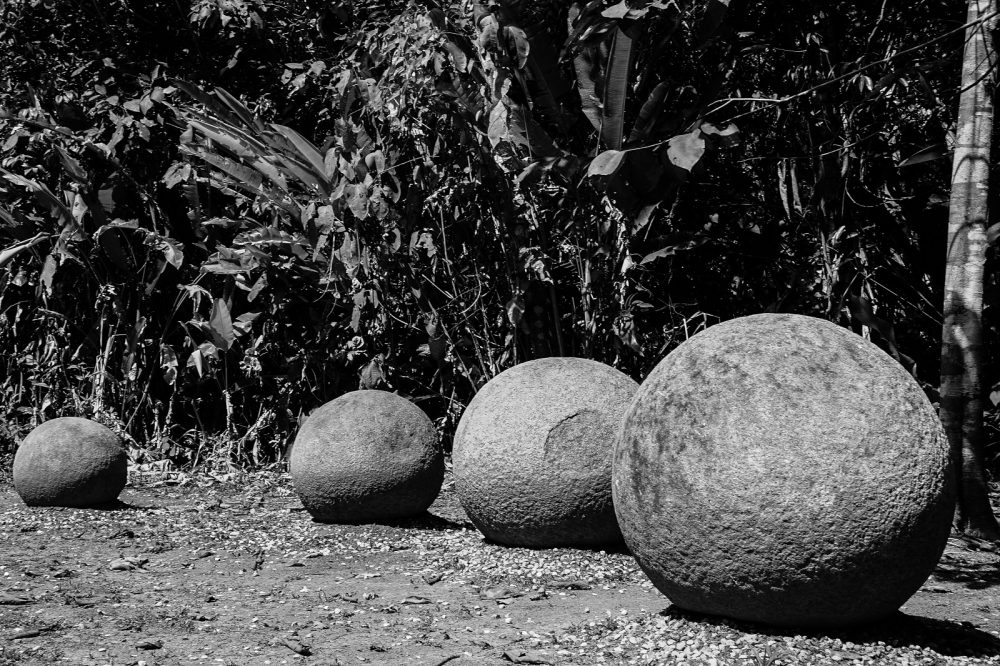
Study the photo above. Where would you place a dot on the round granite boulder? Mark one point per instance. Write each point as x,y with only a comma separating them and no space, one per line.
70,461
366,456
532,453
781,469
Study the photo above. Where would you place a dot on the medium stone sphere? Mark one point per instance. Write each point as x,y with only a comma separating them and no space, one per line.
781,469
70,461
532,453
366,456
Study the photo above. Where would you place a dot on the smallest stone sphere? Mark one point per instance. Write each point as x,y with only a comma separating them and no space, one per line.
70,462
366,456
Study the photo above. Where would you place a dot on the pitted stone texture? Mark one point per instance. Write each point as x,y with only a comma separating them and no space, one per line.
366,456
780,469
532,453
70,461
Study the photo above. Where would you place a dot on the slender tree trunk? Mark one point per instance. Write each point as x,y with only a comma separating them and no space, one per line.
962,399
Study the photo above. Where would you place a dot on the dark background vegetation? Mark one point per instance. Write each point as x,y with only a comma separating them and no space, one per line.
222,213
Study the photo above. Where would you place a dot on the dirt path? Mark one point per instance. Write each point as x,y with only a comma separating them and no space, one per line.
240,575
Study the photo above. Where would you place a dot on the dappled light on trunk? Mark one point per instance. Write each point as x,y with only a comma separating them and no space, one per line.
962,360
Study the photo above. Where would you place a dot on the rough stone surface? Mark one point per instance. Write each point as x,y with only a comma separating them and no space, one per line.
70,461
781,469
532,453
367,456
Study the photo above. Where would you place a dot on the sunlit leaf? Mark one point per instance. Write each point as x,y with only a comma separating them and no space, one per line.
606,163
221,325
685,150
926,154
168,364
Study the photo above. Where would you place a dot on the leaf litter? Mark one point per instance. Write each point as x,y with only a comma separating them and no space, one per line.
234,572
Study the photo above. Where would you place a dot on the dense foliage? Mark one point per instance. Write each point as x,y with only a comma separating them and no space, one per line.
219,214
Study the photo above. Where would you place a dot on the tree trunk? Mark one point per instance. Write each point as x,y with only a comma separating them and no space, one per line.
962,399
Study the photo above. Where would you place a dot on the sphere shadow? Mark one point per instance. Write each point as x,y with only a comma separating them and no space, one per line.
948,638
115,505
971,574
425,522
119,505
610,549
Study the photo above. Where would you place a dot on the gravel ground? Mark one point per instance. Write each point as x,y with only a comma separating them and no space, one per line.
427,591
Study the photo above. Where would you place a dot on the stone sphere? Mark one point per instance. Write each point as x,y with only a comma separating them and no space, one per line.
781,469
532,453
70,461
366,456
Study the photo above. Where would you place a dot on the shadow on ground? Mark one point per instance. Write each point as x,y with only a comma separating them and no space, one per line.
952,639
115,505
975,575
425,521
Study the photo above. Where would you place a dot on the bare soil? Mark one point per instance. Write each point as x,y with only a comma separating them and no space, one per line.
238,573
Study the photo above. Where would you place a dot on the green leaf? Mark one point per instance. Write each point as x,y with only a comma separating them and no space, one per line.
12,251
522,129
238,108
179,172
649,113
197,361
373,375
304,174
48,273
10,218
497,129
587,70
685,150
518,40
606,163
257,288
458,57
618,11
73,168
208,101
375,161
993,233
305,148
221,326
357,200
44,196
926,154
231,143
168,364
616,90
172,251
725,136
240,144
671,250
715,12
515,310
243,175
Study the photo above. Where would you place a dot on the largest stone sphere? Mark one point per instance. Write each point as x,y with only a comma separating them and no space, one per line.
532,453
70,461
366,456
781,469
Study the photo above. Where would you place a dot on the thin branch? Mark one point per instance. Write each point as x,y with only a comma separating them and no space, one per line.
863,68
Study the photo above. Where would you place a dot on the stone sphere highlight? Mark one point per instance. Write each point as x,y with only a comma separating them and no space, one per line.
781,469
532,453
71,462
366,456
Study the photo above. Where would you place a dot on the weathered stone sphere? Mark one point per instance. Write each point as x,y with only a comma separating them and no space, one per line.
781,469
532,453
366,456
70,461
